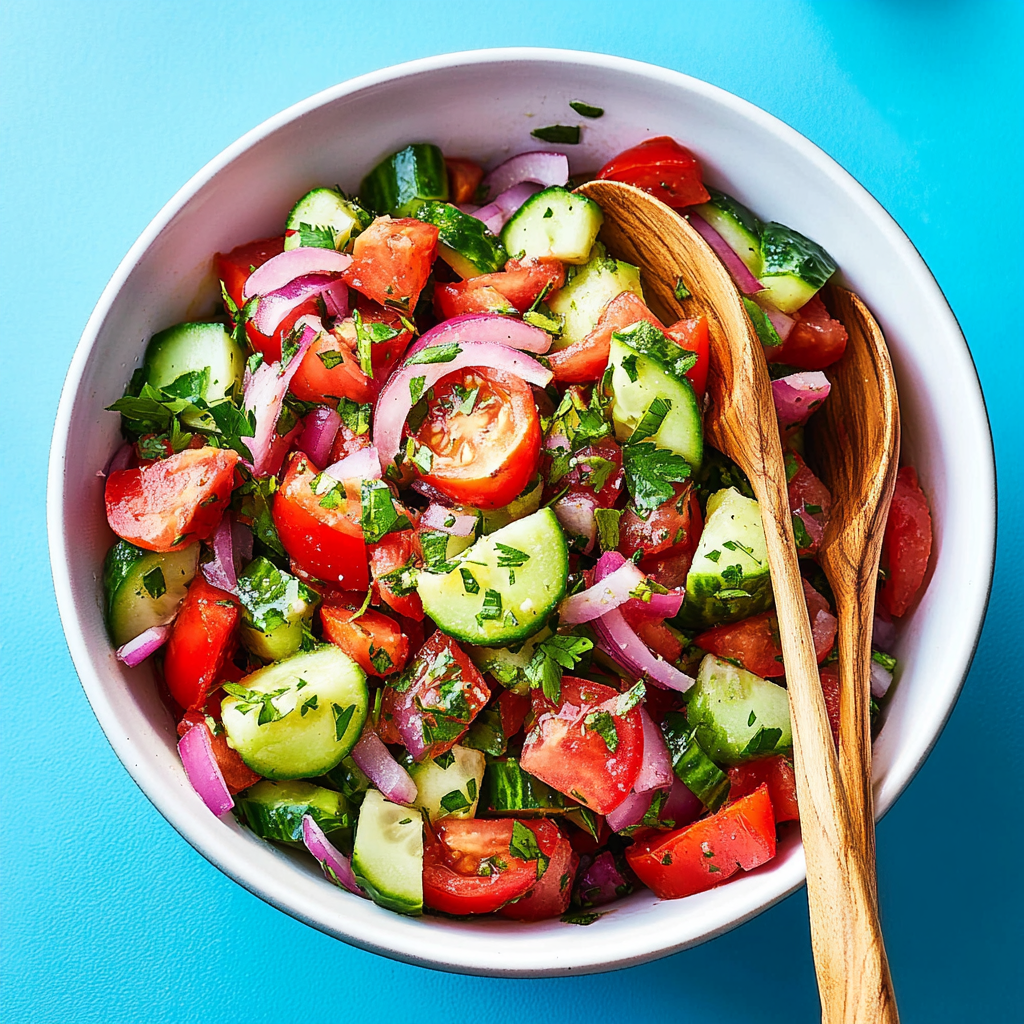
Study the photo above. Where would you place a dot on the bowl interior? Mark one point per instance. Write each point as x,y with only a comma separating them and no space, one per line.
484,105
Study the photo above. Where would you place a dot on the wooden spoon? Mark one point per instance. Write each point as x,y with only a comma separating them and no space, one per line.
741,422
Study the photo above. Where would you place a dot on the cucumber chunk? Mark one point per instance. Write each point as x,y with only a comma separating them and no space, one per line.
518,508
399,182
274,810
387,857
509,791
650,392
728,578
588,289
448,786
737,716
793,268
504,586
206,350
740,227
324,219
508,664
144,588
464,242
277,609
297,719
555,223
708,783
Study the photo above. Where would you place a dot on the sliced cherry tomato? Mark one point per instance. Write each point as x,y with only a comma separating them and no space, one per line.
234,267
237,774
202,640
373,640
551,894
706,853
816,340
676,524
907,544
514,707
586,360
464,177
445,692
693,336
280,446
776,772
171,503
392,260
396,551
324,538
809,500
485,456
585,761
663,168
461,297
469,867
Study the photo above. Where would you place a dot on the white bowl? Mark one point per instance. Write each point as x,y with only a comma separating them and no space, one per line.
483,104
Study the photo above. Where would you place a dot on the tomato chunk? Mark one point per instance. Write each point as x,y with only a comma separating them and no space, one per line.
388,557
551,894
323,537
907,544
464,177
816,340
675,524
692,335
776,772
330,369
237,774
582,748
373,640
234,268
171,503
203,638
392,260
668,171
706,853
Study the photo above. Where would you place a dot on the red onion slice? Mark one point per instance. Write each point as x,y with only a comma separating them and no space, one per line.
783,324
375,760
883,634
612,590
495,215
502,330
881,680
336,299
745,280
273,308
138,650
200,763
682,806
657,606
319,430
798,395
601,881
284,268
656,769
361,465
619,642
395,400
438,517
543,168
575,511
221,572
336,866
630,812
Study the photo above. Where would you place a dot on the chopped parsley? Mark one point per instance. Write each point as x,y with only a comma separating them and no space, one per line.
800,534
342,717
380,659
608,527
603,724
491,609
680,291
524,846
562,651
585,109
379,516
435,354
455,801
565,134
766,333
651,421
580,917
650,473
469,583
154,582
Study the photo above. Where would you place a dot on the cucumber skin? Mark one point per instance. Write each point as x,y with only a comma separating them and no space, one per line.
472,249
400,181
692,766
375,806
508,791
793,267
355,218
518,234
274,810
739,226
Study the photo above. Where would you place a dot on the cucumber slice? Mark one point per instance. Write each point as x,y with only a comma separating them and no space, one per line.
464,242
144,588
650,392
387,857
399,182
708,783
739,226
737,716
324,219
274,810
208,351
349,779
508,664
518,508
555,223
297,719
793,268
509,791
728,578
277,609
504,586
449,786
587,290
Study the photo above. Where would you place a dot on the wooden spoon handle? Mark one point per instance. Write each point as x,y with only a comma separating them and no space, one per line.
849,954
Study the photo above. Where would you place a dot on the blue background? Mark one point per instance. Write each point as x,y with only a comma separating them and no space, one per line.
106,109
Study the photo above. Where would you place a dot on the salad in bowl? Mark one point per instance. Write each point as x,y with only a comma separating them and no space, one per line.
441,578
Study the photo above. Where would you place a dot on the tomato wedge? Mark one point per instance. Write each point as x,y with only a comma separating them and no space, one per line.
595,763
469,866
202,640
816,340
907,543
518,286
551,894
668,171
675,524
392,260
394,552
482,432
323,537
692,335
171,503
776,772
706,853
809,500
464,177
330,370
373,640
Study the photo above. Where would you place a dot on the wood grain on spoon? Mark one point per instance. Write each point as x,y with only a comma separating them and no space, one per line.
853,978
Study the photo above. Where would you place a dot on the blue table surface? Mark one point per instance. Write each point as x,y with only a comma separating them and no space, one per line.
106,109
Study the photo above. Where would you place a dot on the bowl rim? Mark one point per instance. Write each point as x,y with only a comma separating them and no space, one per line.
91,678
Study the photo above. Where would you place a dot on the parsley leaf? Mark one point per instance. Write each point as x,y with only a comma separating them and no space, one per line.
342,717
565,134
585,109
800,534
603,724
651,421
524,846
154,582
455,801
416,388
766,333
550,657
680,291
510,558
469,583
650,473
491,608
435,354
331,358
445,761
379,516
608,527
380,659
355,416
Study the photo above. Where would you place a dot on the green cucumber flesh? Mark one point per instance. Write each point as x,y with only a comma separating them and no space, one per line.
554,223
449,786
387,856
793,267
144,588
587,290
740,227
737,716
729,578
304,704
277,609
508,664
518,508
464,242
508,791
324,219
399,182
274,810
504,586
708,783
